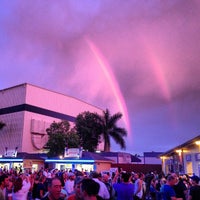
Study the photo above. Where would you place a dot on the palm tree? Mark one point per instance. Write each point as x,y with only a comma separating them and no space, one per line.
110,129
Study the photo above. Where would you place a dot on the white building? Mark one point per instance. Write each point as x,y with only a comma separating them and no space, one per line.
120,157
151,158
183,159
27,111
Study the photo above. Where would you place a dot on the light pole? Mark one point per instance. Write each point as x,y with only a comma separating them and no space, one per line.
181,158
163,163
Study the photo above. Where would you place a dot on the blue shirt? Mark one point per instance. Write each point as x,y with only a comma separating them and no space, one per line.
124,191
167,192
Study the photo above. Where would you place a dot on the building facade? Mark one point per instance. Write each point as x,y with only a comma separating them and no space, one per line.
28,110
183,159
151,158
86,162
120,157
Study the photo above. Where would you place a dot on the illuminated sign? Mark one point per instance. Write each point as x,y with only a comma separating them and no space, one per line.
73,153
10,153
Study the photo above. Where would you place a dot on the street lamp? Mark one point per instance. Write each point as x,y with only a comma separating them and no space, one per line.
198,143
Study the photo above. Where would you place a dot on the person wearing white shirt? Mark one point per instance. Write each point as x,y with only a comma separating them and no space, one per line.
21,188
103,191
69,184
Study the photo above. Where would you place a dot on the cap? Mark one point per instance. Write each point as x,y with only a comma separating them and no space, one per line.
195,178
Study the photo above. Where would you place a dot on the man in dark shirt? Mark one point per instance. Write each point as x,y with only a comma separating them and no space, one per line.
180,189
194,193
54,190
90,189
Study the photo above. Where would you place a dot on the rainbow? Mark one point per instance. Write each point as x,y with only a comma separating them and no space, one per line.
160,77
105,67
157,68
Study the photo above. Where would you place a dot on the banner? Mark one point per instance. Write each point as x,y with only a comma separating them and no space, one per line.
10,153
73,153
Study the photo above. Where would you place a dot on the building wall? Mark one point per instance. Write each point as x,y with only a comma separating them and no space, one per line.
121,157
124,158
144,168
12,96
34,165
12,133
101,166
150,160
191,161
56,102
26,130
35,135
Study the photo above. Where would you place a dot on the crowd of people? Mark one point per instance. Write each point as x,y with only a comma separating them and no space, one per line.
76,185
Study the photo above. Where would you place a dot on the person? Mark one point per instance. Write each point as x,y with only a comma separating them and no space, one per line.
4,182
89,189
34,186
180,189
77,193
63,194
63,178
9,189
152,189
159,183
40,188
21,188
139,183
108,183
54,189
31,179
69,184
45,172
194,191
124,189
103,191
167,191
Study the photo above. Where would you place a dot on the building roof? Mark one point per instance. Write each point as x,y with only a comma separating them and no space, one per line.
190,142
152,154
85,156
117,154
135,159
31,156
42,156
94,156
109,154
66,95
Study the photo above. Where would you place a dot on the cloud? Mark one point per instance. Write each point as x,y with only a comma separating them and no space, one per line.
152,48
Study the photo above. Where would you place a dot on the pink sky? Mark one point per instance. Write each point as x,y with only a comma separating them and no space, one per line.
140,58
